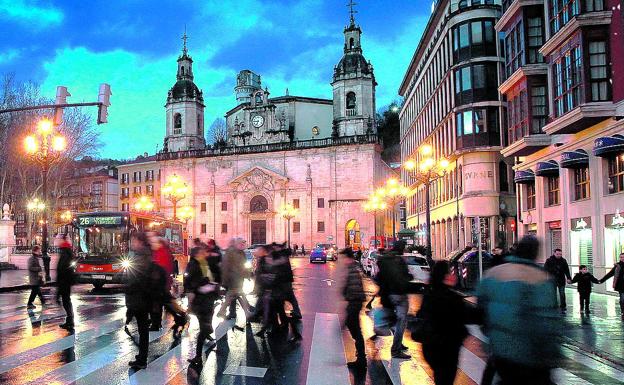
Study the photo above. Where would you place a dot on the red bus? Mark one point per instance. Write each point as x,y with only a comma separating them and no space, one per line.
380,242
102,243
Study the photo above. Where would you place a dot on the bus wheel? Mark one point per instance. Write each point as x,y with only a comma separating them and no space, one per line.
98,285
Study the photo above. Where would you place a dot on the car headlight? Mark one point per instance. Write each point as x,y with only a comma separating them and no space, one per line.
126,263
248,265
73,264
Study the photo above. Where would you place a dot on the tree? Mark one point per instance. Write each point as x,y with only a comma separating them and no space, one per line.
217,134
389,130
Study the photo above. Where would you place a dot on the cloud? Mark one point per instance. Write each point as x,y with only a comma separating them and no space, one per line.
9,55
27,12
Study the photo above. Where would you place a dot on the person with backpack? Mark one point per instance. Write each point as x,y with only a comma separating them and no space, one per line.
65,280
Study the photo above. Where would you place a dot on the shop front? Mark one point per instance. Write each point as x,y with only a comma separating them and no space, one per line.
581,248
614,242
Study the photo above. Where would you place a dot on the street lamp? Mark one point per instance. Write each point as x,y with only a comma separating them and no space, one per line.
186,213
374,205
288,212
393,192
144,204
426,170
44,147
174,191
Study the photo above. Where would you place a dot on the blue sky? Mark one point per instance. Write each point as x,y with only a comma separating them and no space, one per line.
133,45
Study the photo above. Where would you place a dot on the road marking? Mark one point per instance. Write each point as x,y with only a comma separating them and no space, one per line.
43,317
327,364
471,365
563,377
408,369
593,364
246,371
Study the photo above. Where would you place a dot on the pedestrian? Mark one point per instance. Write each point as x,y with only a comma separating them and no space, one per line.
584,280
273,276
303,252
35,277
202,285
46,265
518,302
65,280
498,256
138,293
233,273
617,272
353,293
393,279
289,293
176,267
295,249
557,267
261,253
445,314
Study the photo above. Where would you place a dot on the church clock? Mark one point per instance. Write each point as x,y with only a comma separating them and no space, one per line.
257,121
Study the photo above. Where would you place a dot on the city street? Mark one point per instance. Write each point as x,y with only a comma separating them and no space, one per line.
34,350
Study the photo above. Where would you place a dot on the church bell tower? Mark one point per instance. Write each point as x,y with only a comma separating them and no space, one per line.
185,109
354,86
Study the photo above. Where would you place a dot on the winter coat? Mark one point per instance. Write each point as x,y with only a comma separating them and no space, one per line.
618,273
353,290
64,269
233,270
164,258
584,281
138,282
393,276
34,268
194,279
520,318
558,269
273,274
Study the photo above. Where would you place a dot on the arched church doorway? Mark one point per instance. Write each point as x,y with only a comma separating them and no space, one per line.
257,205
352,234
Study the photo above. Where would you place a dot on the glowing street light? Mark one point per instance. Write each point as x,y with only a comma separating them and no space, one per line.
66,216
144,204
288,212
394,192
186,213
174,191
375,205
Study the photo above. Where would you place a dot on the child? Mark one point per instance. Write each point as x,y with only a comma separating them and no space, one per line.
584,279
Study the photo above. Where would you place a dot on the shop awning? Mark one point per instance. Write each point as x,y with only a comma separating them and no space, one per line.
548,168
524,177
574,159
609,145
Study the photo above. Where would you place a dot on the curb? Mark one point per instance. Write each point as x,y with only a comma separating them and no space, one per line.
9,289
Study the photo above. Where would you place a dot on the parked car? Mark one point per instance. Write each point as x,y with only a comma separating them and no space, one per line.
418,268
318,255
467,268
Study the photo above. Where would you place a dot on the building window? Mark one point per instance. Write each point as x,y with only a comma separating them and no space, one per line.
581,183
514,48
530,196
150,190
296,227
137,190
320,227
535,34
295,203
594,5
97,188
203,228
539,108
223,206
517,116
616,173
351,102
223,228
125,192
478,127
503,176
598,71
258,204
125,178
552,184
136,177
474,39
561,12
320,203
177,123
149,175
567,81
124,207
202,207
476,83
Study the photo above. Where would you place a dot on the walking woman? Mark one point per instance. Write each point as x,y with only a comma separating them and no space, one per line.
202,286
233,273
445,314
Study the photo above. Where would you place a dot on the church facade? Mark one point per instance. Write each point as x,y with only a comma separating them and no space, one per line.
320,156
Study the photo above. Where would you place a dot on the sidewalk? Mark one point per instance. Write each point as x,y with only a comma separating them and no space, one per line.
11,280
602,333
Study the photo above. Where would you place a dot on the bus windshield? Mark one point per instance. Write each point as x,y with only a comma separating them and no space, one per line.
102,241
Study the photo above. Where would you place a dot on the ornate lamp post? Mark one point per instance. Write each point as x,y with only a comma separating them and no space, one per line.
375,206
426,170
44,147
144,204
35,206
174,191
288,212
186,213
393,192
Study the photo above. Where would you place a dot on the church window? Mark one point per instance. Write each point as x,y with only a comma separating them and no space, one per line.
203,207
295,203
203,228
182,70
224,228
177,123
296,227
351,101
321,203
199,125
259,98
258,204
223,206
351,43
320,227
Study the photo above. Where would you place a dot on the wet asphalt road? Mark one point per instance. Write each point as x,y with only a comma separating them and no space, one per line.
34,350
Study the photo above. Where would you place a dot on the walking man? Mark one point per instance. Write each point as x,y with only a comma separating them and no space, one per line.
35,277
557,267
617,272
65,280
233,273
353,293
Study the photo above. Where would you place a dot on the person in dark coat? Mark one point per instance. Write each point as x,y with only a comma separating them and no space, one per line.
289,292
445,313
35,277
201,284
584,280
138,293
233,274
393,279
558,268
498,256
65,280
353,293
617,272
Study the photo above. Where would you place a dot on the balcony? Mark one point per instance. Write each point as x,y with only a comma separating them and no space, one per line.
351,112
510,10
583,20
580,118
526,145
540,69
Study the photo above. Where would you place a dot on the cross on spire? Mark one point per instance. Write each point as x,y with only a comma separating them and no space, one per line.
352,11
184,38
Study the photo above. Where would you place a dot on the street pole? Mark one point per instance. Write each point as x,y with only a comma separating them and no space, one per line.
428,221
288,232
375,226
393,220
174,201
44,228
478,220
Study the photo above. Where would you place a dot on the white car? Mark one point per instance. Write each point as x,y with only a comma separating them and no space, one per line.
418,268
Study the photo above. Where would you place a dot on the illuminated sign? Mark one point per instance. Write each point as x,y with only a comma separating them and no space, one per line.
99,221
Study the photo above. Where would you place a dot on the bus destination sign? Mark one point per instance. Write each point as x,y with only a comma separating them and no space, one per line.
99,221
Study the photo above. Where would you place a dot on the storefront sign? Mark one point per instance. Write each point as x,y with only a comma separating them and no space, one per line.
581,223
554,225
614,220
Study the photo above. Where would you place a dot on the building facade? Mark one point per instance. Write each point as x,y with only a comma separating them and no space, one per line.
564,83
320,156
452,104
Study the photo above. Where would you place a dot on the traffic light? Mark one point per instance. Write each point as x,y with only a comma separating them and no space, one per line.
104,100
61,98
